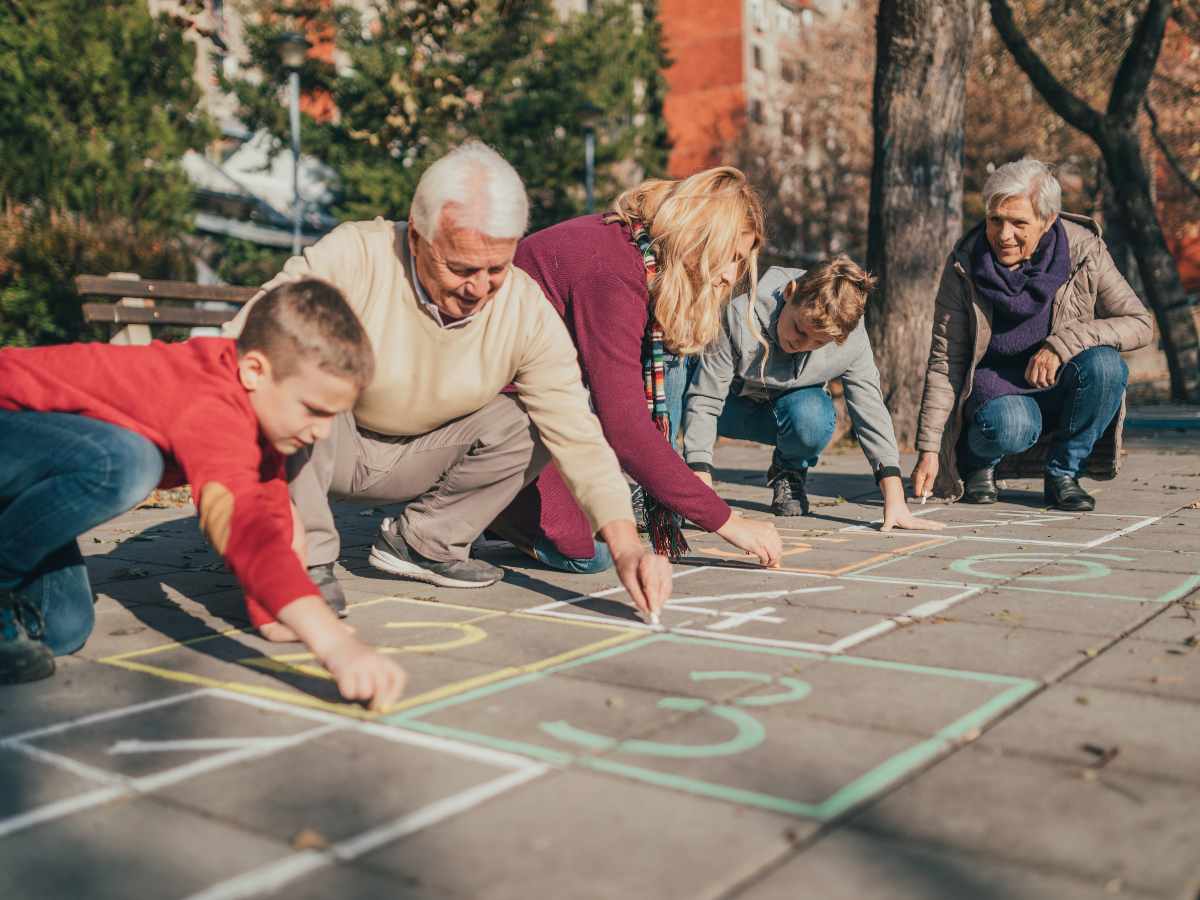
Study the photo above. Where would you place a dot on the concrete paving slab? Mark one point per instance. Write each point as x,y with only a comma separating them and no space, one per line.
138,848
27,783
1154,737
1008,607
1176,532
758,748
1145,667
1017,650
1178,625
1030,812
354,882
379,782
851,865
584,836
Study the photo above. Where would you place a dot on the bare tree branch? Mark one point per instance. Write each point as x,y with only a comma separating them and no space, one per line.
1137,65
1171,158
1075,111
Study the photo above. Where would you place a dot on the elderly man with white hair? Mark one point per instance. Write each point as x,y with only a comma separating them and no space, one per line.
452,323
1030,319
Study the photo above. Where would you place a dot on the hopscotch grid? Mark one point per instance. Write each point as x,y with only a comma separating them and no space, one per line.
117,785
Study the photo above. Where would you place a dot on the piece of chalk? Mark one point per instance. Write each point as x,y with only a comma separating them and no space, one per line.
654,620
924,497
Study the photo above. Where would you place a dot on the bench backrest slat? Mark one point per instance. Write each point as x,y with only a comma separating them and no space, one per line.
96,286
155,315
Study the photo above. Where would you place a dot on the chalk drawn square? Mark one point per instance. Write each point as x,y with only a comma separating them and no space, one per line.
756,746
442,646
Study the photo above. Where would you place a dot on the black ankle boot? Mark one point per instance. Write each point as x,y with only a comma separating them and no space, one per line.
980,486
789,493
1064,492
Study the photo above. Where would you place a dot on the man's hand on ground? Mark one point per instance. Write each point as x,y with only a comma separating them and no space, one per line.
896,513
645,575
759,539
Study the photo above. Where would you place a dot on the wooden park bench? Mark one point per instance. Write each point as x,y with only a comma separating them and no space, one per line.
140,304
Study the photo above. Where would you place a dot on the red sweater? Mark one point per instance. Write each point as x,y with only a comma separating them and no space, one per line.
595,278
186,398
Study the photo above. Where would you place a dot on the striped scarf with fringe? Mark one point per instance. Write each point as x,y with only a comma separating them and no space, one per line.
664,525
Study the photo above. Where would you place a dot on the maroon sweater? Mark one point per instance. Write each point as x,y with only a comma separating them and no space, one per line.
595,278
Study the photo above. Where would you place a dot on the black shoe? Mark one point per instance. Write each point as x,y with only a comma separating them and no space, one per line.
980,486
331,591
392,554
789,497
23,655
1064,492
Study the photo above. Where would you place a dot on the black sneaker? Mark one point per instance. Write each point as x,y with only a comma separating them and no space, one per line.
1064,492
789,495
980,486
392,554
23,655
331,591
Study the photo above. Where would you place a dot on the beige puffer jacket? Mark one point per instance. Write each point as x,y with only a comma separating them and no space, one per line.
1095,308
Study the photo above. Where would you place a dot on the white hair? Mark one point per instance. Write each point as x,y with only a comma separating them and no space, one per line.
1026,177
485,188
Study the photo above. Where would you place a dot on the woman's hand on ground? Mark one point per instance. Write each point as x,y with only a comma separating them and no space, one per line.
924,474
757,538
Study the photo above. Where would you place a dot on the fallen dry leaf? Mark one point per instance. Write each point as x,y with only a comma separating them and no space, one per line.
309,839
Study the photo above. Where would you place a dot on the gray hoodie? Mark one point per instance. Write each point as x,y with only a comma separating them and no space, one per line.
734,364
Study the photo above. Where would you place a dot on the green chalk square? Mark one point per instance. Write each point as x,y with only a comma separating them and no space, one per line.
763,695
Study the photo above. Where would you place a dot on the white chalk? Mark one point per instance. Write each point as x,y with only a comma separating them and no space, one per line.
654,620
924,497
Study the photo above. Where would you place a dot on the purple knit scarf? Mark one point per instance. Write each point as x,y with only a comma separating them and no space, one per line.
1021,301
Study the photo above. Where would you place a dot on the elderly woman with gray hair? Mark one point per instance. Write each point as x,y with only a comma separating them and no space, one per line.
1030,319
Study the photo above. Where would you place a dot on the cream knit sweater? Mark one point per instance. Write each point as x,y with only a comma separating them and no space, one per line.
426,375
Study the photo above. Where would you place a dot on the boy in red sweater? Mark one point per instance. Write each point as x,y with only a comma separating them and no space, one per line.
87,430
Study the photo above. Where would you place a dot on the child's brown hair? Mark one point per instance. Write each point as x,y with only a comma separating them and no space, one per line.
833,295
311,320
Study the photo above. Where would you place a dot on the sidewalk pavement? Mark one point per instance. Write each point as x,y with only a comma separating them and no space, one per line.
1009,707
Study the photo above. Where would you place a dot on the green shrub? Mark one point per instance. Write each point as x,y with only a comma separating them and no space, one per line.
41,252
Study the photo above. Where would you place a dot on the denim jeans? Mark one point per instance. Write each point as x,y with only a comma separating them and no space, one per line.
677,375
61,474
548,555
798,424
1082,404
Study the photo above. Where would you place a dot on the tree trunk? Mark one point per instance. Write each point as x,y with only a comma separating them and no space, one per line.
922,49
1160,276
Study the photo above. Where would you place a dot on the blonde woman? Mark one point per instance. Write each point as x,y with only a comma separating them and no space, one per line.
639,287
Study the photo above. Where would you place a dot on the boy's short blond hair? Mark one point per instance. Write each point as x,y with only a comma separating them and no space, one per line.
308,320
833,295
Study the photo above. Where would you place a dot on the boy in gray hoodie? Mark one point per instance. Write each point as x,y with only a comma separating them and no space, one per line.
768,384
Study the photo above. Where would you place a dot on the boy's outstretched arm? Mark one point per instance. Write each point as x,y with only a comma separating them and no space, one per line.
360,671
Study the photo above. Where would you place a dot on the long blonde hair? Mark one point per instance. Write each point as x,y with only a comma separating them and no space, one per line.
695,225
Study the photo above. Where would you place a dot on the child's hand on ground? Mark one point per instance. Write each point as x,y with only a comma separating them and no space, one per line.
759,539
363,673
901,517
706,477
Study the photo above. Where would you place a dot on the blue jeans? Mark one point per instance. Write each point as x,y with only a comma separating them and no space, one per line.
798,424
1082,403
61,474
548,555
677,375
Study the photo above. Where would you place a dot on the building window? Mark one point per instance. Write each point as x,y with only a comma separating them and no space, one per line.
756,55
787,70
758,15
789,123
756,112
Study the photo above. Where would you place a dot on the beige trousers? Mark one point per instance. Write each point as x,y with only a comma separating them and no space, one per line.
456,479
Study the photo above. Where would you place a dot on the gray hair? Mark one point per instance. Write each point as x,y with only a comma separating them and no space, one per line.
1026,177
486,188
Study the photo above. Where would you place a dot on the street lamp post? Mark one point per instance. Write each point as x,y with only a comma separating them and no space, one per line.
293,48
589,115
